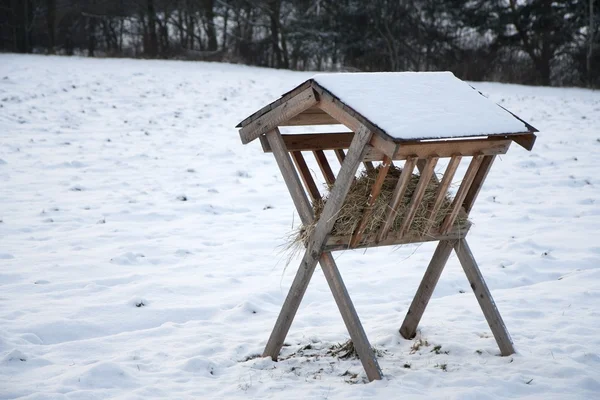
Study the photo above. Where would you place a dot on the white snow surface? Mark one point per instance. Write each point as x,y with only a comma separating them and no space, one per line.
140,249
420,105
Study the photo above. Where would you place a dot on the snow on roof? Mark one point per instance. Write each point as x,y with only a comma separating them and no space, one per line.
420,105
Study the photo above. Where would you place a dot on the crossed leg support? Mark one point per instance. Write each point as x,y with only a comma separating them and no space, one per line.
314,255
482,293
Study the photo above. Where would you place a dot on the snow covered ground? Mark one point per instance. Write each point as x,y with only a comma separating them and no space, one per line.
139,249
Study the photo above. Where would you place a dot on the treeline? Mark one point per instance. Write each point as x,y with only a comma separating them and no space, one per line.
524,41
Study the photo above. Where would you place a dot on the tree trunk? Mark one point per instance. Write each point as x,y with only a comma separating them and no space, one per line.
590,53
211,32
51,24
91,36
274,10
23,11
152,49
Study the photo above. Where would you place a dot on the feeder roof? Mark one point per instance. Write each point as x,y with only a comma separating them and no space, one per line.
411,105
420,105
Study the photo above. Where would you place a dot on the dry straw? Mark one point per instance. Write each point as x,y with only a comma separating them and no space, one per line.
355,203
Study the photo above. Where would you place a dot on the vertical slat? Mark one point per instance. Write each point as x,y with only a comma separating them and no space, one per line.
397,196
369,166
375,191
442,190
417,196
324,165
307,178
290,177
484,297
340,155
486,164
461,193
426,288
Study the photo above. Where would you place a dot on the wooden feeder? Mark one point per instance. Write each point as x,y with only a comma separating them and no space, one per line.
417,119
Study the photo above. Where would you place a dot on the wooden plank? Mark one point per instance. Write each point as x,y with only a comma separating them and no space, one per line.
274,104
309,182
286,110
384,145
397,196
350,317
482,173
290,176
304,119
339,191
264,143
447,148
484,297
325,167
375,191
417,196
526,141
338,243
440,148
432,275
462,193
442,190
369,166
338,111
340,154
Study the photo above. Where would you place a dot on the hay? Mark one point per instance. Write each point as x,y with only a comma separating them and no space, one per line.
356,201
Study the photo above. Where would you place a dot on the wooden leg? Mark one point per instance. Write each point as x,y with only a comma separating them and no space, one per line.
290,306
430,280
344,303
314,248
484,297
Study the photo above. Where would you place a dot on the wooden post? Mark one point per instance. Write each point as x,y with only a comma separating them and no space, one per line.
426,288
484,297
309,261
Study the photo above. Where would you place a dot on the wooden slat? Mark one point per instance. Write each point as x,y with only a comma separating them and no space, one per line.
286,110
340,154
290,176
325,167
417,196
335,243
526,141
482,173
441,148
397,196
484,297
465,185
304,118
442,190
375,191
369,166
449,148
335,109
309,182
408,330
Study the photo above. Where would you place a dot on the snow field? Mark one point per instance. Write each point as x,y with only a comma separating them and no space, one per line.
140,249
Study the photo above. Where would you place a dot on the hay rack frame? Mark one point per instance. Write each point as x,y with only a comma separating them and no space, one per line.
311,104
